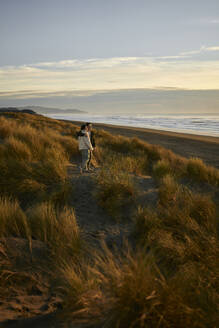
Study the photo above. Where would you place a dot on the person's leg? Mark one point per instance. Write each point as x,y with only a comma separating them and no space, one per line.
89,160
83,159
85,154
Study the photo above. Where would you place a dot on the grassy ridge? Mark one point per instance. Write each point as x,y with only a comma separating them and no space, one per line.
171,280
34,153
171,277
33,158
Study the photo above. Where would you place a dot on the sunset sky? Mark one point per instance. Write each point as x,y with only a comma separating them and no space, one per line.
57,52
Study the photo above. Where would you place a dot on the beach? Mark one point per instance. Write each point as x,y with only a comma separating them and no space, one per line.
186,145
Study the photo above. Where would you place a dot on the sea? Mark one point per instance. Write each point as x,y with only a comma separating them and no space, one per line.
207,125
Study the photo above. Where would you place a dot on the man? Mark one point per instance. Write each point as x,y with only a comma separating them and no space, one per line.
85,147
92,140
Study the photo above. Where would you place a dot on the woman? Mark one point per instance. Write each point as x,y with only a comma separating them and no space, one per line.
85,147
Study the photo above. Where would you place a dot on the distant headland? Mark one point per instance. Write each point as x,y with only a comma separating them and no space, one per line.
40,110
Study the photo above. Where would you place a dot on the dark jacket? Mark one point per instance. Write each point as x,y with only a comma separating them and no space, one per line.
92,139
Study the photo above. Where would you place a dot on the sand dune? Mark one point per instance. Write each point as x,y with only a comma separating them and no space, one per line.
187,145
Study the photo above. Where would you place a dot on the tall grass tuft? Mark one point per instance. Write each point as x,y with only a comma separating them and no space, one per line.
56,227
115,190
129,290
13,221
161,168
198,171
168,190
17,149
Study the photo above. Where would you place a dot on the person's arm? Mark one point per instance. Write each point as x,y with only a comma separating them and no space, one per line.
93,139
87,141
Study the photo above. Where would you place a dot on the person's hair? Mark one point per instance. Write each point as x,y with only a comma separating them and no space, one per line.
83,126
88,123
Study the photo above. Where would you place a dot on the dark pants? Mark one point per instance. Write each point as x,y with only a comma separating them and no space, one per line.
89,159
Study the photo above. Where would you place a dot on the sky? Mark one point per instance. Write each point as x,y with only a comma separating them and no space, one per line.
101,55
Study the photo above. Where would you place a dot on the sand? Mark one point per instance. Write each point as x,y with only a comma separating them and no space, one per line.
187,145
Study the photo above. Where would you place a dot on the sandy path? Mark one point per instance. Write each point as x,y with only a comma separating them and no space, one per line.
95,223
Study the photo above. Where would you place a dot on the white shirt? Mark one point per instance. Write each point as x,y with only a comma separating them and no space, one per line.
84,141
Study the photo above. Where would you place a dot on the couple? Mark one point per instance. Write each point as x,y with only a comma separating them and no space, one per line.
86,143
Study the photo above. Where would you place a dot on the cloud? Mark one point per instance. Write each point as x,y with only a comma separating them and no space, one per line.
194,69
202,53
20,94
208,21
213,21
203,49
212,48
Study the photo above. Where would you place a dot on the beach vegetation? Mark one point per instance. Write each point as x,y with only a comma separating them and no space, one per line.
199,171
13,221
115,189
57,228
165,274
129,289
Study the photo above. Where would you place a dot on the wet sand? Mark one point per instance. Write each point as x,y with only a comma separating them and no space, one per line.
187,145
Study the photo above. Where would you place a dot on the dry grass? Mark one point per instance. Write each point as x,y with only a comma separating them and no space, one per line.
129,290
56,227
161,168
33,159
201,172
178,198
115,190
182,231
182,235
169,280
34,153
13,220
168,190
159,161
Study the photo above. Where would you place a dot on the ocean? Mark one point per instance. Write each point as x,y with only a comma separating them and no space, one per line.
207,125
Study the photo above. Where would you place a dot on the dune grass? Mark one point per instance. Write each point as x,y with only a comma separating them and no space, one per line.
160,161
12,219
32,160
34,189
201,172
129,290
169,279
182,235
115,188
58,228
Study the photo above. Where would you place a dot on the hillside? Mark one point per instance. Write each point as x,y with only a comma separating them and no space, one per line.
40,110
16,110
52,110
132,244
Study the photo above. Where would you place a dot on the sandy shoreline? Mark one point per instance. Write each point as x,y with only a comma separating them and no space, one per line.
187,145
